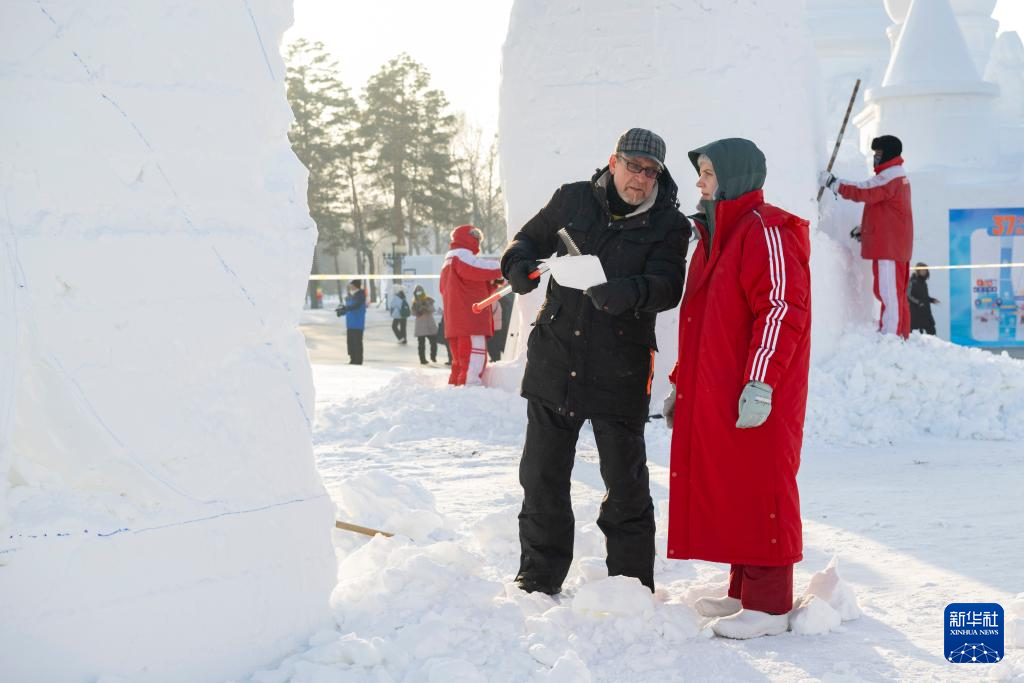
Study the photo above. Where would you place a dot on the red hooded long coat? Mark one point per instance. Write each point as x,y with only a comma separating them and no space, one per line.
745,316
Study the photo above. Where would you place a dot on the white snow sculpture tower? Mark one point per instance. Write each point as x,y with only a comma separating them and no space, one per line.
973,16
962,144
850,42
978,27
932,97
1006,69
161,518
575,75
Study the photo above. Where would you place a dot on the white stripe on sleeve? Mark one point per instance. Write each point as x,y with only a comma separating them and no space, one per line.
777,298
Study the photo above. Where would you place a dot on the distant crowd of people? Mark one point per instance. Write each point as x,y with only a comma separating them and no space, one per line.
469,338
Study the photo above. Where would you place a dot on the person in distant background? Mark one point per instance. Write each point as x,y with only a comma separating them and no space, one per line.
465,279
442,339
425,327
354,310
920,301
398,306
887,230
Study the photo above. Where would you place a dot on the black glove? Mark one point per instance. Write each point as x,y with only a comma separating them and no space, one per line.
615,297
855,233
340,311
519,276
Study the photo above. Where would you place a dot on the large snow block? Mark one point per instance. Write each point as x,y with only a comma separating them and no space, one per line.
576,74
161,517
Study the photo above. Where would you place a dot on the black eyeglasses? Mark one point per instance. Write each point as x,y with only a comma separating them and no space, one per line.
634,167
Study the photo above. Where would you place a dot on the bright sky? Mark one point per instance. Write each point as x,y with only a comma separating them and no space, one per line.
459,41
1010,14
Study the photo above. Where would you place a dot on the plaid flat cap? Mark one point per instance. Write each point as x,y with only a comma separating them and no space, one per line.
641,142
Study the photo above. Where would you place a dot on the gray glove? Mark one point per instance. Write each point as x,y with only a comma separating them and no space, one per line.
755,405
668,408
826,179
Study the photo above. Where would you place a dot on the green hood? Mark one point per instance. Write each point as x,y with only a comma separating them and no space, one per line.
739,166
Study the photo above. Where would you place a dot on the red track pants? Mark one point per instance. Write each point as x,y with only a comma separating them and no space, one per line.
469,358
764,589
891,280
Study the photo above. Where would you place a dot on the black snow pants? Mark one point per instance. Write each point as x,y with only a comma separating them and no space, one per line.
546,522
354,340
398,327
421,342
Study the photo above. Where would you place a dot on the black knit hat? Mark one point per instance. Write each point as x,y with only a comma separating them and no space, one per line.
358,284
889,145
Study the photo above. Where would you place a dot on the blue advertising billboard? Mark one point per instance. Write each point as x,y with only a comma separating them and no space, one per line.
986,304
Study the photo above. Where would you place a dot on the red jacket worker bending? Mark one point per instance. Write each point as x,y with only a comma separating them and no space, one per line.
465,279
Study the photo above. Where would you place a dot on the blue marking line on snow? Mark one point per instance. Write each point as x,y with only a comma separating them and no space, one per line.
245,292
131,123
230,513
87,403
124,530
260,39
60,34
112,533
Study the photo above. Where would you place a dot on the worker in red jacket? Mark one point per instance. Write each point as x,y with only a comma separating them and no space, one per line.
887,229
740,390
465,279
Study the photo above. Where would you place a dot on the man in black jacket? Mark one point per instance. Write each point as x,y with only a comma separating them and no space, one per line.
591,356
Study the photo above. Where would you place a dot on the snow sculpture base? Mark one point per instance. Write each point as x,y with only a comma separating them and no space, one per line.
161,518
208,601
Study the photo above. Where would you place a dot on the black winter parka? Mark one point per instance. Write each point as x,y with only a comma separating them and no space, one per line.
586,363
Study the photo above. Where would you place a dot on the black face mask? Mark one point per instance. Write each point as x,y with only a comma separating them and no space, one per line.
878,158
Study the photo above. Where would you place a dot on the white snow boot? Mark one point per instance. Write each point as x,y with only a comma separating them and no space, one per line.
748,623
717,607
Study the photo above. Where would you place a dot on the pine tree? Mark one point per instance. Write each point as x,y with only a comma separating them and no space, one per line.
326,115
317,99
407,134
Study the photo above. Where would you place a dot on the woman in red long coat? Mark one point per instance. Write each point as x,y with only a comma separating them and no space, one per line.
740,393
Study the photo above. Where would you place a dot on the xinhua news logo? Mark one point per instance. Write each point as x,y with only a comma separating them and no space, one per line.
974,633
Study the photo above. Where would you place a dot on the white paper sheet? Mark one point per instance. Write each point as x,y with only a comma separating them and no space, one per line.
577,272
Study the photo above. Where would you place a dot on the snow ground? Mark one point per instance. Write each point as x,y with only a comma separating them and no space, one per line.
894,484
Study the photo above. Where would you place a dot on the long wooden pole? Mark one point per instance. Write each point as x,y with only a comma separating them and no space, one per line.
842,131
365,530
